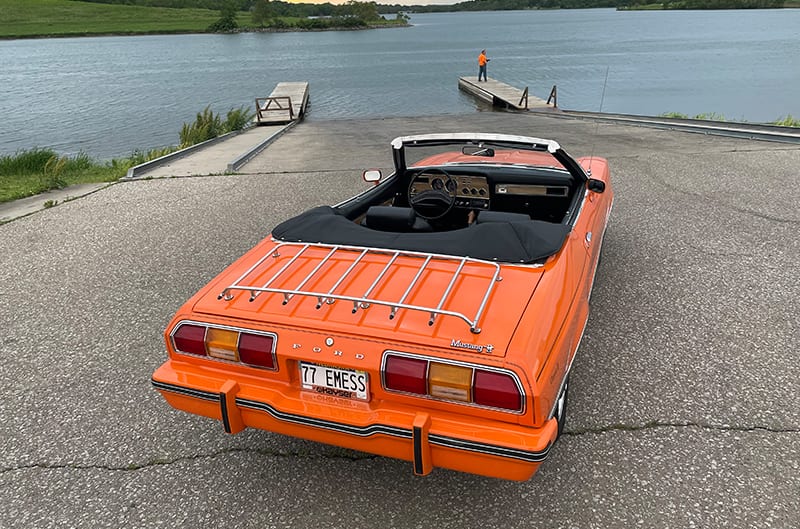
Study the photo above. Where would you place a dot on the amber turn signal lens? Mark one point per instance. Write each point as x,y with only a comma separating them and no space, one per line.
221,343
450,382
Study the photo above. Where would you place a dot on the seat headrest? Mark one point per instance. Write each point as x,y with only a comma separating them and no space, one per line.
390,218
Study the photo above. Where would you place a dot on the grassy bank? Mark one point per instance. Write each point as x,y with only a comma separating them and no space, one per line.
34,171
42,18
70,18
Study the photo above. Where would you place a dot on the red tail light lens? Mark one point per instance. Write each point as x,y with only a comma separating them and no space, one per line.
496,390
190,339
257,350
406,374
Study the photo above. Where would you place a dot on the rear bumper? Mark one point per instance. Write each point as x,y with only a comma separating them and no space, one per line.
427,438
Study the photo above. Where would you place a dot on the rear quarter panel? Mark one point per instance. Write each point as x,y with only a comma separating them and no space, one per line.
552,326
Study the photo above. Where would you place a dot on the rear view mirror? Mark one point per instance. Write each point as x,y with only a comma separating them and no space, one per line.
372,175
476,150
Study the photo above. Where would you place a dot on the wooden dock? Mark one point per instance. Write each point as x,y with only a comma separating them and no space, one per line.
502,95
285,104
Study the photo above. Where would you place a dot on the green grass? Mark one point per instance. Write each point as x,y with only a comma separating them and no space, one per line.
788,121
39,18
65,18
34,171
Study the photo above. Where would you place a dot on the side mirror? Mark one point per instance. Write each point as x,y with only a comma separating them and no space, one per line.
372,175
598,186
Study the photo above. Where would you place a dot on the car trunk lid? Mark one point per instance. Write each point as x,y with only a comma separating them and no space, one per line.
395,296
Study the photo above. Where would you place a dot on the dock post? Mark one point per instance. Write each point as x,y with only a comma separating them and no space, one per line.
524,98
553,96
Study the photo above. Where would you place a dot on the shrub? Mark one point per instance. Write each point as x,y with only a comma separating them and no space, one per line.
206,125
238,118
227,19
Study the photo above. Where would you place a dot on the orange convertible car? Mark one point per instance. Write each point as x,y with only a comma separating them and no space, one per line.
432,318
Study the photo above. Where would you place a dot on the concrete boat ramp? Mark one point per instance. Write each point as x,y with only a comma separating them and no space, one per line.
225,154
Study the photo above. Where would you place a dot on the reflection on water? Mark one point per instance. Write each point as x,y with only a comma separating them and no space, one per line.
110,95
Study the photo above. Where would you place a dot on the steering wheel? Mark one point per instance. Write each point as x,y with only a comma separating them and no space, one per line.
436,202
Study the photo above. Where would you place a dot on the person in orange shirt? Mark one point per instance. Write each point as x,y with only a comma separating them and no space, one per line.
482,60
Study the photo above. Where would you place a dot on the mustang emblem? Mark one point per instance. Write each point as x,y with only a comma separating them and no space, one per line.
478,348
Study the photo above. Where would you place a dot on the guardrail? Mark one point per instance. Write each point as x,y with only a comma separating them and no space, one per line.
750,131
245,157
134,171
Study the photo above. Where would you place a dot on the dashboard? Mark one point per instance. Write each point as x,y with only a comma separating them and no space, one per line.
471,192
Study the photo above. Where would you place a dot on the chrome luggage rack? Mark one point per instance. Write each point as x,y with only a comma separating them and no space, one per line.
364,301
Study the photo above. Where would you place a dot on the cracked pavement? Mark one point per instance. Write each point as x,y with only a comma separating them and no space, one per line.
683,409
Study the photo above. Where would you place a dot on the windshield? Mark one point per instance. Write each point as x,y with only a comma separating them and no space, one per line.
473,149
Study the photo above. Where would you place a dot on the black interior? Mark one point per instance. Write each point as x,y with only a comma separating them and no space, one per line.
507,241
509,227
550,207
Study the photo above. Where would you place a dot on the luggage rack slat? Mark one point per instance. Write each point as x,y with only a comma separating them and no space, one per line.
286,297
327,298
375,283
447,291
274,254
365,300
410,286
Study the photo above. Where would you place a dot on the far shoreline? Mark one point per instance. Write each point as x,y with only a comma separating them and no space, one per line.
241,31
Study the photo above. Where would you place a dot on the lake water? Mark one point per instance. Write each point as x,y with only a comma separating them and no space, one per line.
107,96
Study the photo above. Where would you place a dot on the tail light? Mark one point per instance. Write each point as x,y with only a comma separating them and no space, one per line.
456,382
190,339
257,350
226,343
408,375
496,390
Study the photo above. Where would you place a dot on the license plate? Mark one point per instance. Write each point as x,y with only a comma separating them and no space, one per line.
335,381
